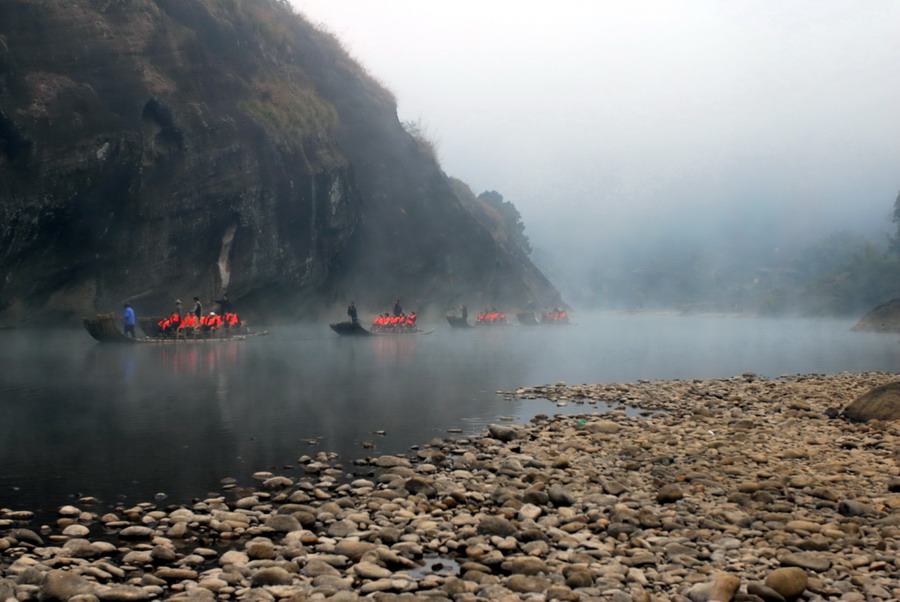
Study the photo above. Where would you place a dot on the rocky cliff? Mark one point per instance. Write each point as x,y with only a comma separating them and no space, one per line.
153,149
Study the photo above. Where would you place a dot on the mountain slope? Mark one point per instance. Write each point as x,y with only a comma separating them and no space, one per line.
154,149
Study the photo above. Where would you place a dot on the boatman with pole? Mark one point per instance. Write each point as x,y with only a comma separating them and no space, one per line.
128,318
351,311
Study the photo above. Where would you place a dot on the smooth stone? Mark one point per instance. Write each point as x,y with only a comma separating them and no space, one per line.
352,549
82,548
274,575
496,525
122,593
721,589
391,462
283,523
763,591
370,570
669,494
136,532
63,585
278,483
76,531
606,427
527,584
417,486
315,567
560,496
26,536
175,574
854,508
790,582
503,433
524,565
807,560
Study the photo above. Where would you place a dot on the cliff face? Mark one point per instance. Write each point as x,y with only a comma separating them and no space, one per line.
153,149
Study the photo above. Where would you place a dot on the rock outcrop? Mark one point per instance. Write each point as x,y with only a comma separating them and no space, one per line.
884,318
154,149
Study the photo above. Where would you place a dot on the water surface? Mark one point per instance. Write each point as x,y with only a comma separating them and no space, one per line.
124,423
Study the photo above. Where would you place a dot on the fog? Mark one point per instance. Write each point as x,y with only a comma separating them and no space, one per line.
738,126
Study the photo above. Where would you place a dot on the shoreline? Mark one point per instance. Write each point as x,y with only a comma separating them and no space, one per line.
741,486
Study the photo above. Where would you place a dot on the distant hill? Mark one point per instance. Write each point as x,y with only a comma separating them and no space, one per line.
153,149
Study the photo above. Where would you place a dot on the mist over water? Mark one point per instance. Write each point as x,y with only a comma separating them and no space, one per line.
124,423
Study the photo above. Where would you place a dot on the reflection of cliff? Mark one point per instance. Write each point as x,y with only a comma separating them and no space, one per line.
154,149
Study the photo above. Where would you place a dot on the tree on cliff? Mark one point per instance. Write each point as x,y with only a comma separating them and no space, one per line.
510,217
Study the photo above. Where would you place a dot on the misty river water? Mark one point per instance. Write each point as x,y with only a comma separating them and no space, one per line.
124,423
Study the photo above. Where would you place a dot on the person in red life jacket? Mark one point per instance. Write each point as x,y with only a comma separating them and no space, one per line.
174,323
188,323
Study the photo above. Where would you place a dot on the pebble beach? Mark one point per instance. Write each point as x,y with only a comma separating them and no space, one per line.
742,488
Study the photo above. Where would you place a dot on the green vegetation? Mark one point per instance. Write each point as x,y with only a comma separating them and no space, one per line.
289,113
507,217
426,142
501,218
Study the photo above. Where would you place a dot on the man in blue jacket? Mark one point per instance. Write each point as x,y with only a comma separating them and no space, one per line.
128,318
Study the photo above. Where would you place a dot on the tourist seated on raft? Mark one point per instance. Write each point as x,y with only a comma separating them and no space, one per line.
555,314
169,326
490,317
388,323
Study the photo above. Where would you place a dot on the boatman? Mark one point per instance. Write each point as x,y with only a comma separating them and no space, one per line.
398,309
129,320
351,311
224,305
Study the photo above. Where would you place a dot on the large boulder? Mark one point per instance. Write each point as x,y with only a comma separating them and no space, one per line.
881,403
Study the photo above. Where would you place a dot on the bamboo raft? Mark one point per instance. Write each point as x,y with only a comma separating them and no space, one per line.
103,328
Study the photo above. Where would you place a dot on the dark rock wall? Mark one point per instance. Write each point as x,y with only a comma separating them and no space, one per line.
171,148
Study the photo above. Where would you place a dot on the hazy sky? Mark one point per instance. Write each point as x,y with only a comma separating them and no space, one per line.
598,118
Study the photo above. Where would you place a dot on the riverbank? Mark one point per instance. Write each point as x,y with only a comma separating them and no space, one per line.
721,489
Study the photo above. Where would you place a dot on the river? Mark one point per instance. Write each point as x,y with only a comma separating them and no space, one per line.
133,423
